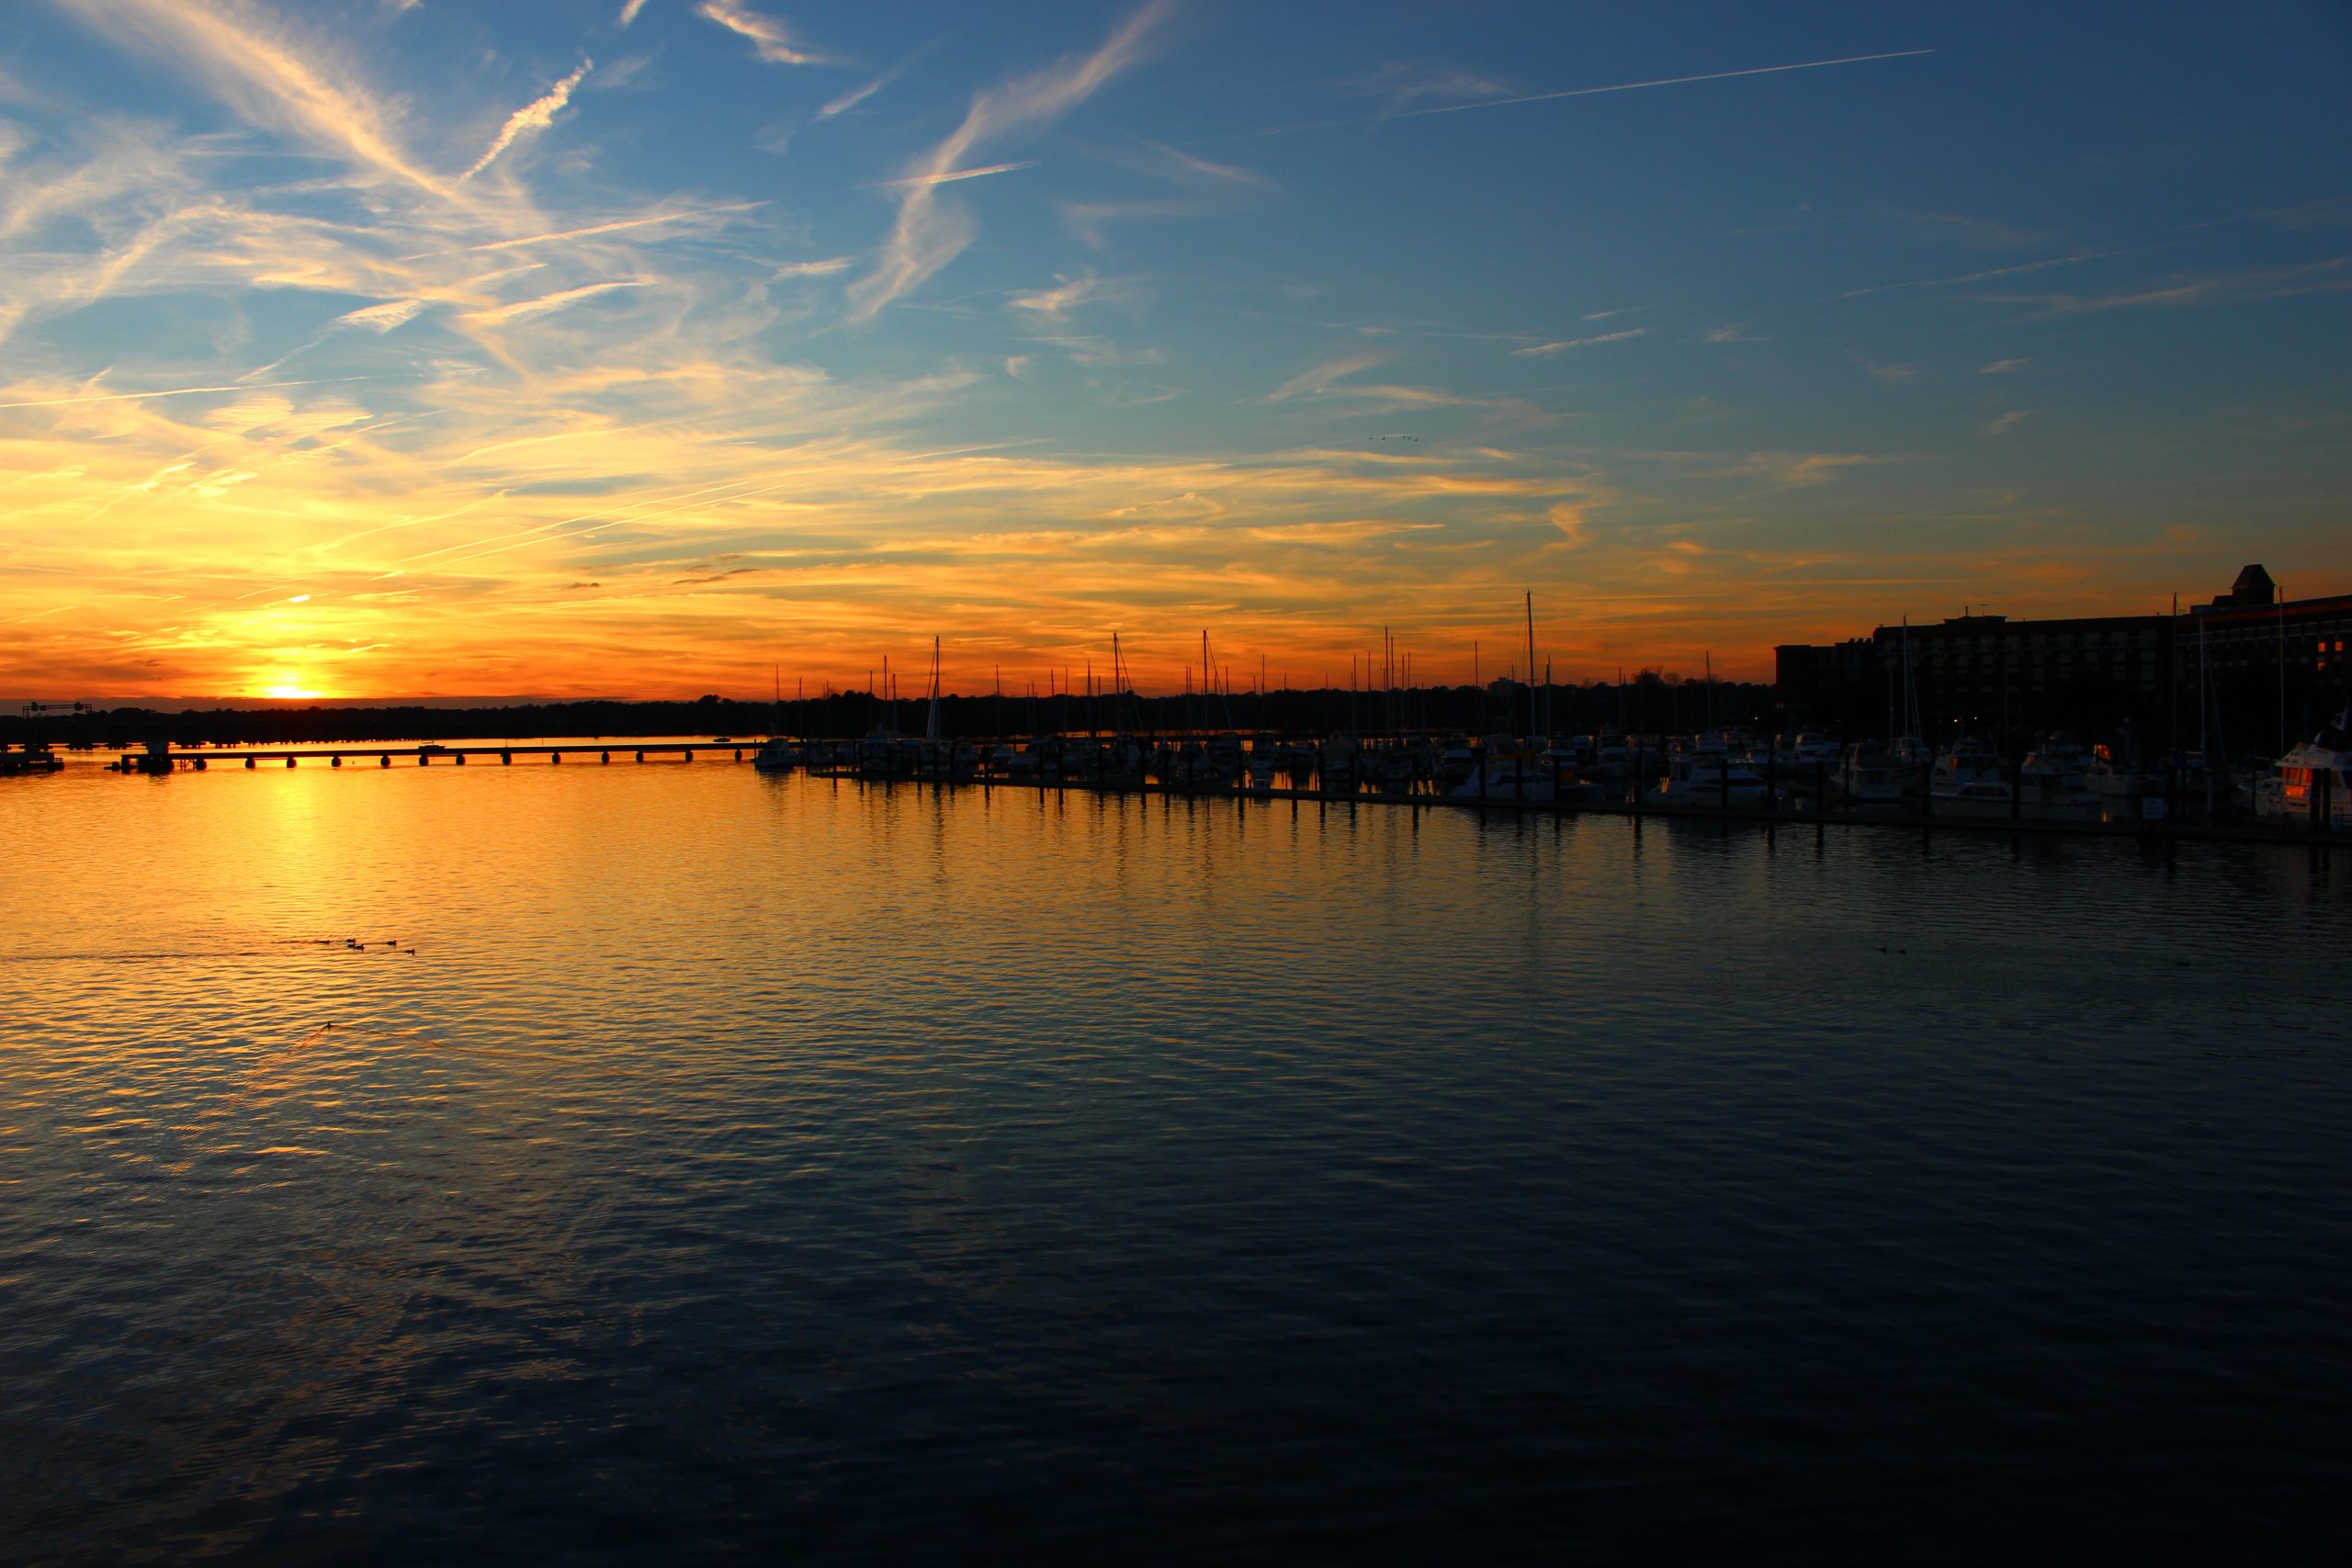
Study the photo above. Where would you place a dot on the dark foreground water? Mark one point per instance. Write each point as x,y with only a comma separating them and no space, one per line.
785,1168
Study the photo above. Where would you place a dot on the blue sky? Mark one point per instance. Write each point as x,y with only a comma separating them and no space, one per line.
371,348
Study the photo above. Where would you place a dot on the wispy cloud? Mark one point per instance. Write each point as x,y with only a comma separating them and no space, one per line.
824,269
1320,378
1541,350
2002,424
171,392
593,230
2005,367
1587,92
532,118
629,9
949,177
500,314
1409,84
1989,273
929,234
859,94
270,78
1069,294
770,39
2333,275
1209,189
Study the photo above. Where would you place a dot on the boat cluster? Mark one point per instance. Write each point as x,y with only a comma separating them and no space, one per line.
2056,779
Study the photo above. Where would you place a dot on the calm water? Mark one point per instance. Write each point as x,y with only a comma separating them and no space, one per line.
770,1167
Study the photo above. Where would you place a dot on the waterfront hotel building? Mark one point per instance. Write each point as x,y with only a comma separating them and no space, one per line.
2255,669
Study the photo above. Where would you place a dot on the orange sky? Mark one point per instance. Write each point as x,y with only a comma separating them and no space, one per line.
370,350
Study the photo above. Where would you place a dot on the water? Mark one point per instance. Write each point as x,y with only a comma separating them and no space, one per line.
749,1165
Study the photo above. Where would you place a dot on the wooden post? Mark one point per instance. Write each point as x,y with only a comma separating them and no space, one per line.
2016,772
1771,781
1927,788
249,764
289,762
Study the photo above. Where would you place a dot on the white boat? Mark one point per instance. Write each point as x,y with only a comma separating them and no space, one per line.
1965,761
1520,777
1612,760
1868,776
2052,783
2314,783
1696,778
776,755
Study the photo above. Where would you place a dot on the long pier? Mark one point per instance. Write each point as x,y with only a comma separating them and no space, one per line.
167,760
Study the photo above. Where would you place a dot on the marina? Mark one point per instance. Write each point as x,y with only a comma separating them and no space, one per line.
1788,779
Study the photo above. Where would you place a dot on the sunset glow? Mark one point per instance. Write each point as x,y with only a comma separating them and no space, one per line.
604,349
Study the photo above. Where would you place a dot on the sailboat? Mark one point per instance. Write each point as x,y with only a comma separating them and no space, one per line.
777,754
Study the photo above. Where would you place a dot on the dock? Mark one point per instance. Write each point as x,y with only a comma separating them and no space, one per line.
166,759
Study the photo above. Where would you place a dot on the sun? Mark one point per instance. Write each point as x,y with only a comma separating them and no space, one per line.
284,685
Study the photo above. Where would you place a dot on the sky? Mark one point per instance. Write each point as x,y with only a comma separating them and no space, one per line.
655,347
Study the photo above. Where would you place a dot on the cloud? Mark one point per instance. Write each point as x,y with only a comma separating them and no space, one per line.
1409,84
2004,423
629,9
825,268
616,226
499,315
1320,378
949,177
2073,260
2005,367
929,234
267,77
1069,294
382,319
769,38
1492,103
1213,190
858,94
1544,349
533,116
2331,277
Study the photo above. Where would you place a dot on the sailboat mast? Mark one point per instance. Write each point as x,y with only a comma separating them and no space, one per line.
1531,663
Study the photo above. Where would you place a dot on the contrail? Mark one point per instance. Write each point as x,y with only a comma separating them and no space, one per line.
612,228
1582,93
183,392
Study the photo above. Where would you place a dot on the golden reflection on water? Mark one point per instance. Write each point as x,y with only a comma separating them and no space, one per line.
814,1115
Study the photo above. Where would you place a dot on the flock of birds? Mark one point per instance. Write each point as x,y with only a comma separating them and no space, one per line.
354,944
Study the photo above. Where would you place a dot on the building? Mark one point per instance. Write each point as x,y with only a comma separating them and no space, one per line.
2247,671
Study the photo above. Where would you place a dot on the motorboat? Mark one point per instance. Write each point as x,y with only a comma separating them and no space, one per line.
1868,776
1519,777
1966,761
776,755
2314,783
1696,778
